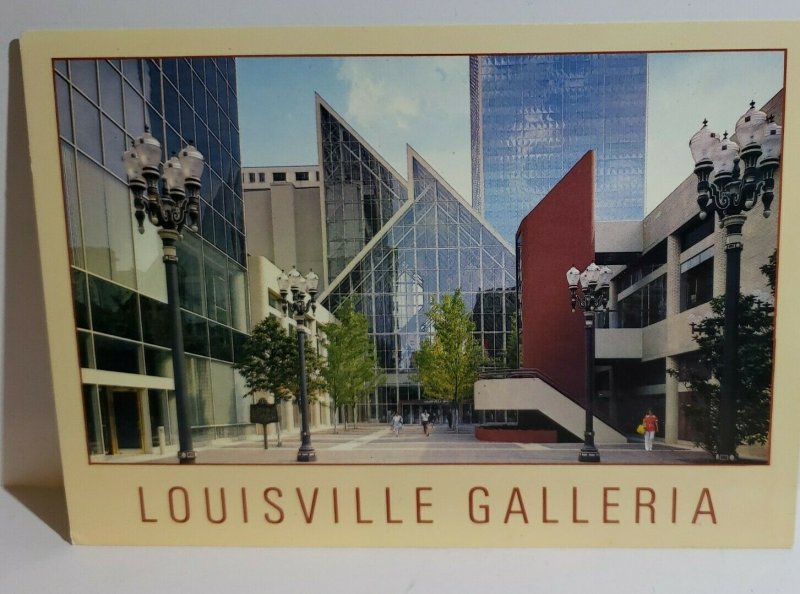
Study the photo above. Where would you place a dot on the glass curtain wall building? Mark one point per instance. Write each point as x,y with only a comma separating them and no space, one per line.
434,244
118,275
534,116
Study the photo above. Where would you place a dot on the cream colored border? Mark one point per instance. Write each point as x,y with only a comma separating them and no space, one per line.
753,506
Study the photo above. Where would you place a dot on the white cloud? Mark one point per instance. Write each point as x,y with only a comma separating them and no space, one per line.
420,101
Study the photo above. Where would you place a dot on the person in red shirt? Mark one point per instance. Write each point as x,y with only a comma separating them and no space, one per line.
650,423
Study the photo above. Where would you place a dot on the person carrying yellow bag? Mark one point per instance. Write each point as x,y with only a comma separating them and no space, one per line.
650,423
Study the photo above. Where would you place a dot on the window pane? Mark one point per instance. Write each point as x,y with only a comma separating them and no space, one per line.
87,124
85,350
238,287
155,322
224,394
198,387
195,334
171,111
113,147
158,362
114,309
190,273
80,299
134,112
84,76
152,85
150,274
217,287
93,214
64,109
220,342
94,432
117,355
133,72
120,231
72,205
111,91
697,285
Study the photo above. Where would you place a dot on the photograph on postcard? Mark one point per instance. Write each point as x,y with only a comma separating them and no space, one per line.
546,258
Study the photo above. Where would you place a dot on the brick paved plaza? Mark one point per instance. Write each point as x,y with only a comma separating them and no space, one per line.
373,443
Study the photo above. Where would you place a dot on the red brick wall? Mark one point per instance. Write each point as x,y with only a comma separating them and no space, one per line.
556,235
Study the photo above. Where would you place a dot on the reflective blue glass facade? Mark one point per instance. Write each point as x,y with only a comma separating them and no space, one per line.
534,116
435,244
118,275
361,191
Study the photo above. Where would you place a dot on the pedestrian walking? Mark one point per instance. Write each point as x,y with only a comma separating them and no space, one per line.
397,423
650,423
425,418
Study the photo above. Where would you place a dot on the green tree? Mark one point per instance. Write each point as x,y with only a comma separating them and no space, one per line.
449,360
753,400
269,362
351,373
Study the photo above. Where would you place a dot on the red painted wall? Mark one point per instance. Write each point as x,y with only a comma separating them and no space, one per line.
556,235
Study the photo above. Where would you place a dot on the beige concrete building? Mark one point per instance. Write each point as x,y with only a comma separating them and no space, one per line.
284,214
282,206
669,283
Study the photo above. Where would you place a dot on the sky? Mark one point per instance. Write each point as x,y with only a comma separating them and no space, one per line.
424,101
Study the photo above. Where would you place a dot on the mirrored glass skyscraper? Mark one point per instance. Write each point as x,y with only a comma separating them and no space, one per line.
534,116
119,285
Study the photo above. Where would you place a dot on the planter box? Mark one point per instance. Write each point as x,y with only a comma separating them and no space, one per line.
508,435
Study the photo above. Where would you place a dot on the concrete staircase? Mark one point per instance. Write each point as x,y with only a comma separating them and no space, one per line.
534,393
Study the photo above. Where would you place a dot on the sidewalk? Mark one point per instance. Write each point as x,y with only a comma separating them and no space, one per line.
373,443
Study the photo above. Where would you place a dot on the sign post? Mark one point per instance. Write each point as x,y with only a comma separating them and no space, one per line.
264,413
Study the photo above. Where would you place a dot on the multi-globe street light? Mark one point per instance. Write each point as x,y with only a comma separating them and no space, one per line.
591,297
299,294
732,176
168,194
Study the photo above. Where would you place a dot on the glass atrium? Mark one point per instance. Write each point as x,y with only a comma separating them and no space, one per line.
435,244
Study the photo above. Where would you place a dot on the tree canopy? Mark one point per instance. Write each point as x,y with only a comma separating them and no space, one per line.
449,360
351,373
753,399
269,362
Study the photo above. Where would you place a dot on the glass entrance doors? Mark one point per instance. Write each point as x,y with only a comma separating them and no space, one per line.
124,420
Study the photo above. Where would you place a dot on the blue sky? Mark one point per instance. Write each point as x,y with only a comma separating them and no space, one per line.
425,102
390,101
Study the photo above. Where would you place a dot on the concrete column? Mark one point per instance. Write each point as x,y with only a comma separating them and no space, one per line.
671,404
287,415
673,275
613,314
147,430
313,414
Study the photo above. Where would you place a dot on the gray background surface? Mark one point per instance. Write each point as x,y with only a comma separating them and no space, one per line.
34,558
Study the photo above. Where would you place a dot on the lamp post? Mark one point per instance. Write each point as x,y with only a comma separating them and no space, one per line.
170,205
299,295
591,298
731,178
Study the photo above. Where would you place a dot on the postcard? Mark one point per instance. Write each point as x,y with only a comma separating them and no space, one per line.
420,286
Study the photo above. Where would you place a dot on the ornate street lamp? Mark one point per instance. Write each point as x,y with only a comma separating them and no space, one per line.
299,296
591,298
170,211
731,179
